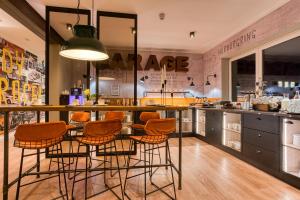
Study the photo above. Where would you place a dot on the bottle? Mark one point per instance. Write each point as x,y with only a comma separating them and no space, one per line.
285,102
297,95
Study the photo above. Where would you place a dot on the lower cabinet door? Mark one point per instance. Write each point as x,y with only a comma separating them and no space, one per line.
258,155
213,127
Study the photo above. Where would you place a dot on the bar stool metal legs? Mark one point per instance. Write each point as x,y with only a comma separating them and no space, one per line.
148,169
103,170
38,173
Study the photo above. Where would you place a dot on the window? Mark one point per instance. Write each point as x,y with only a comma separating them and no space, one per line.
242,77
281,68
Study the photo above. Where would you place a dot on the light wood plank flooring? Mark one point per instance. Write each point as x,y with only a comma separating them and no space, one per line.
208,174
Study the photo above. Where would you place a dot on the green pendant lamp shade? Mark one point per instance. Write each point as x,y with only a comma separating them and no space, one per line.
83,45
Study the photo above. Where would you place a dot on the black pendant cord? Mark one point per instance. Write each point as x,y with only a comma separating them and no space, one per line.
93,6
78,15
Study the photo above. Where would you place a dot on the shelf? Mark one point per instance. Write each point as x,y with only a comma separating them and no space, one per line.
236,149
232,130
292,146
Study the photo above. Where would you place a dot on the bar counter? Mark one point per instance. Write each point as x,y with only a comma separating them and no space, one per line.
46,108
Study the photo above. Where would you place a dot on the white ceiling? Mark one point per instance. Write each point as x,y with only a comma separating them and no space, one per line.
16,33
213,20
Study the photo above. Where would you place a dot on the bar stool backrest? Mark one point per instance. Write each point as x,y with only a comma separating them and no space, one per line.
102,128
40,131
160,126
114,115
80,116
145,116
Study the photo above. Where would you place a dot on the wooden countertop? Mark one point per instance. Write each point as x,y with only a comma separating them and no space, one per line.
89,108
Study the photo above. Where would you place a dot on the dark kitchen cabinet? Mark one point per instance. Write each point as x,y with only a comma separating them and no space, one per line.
261,140
213,127
266,123
261,157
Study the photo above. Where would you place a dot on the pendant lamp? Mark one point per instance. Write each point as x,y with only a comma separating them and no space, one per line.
84,45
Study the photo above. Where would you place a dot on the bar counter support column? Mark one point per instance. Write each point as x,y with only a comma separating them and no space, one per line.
180,152
38,119
5,157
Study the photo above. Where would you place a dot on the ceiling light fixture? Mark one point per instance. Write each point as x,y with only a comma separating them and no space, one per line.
207,78
133,31
69,27
162,16
192,34
84,45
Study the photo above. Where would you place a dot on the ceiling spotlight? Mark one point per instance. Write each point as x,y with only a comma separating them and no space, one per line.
133,31
162,16
69,27
192,34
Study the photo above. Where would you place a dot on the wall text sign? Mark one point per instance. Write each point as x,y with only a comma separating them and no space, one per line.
173,63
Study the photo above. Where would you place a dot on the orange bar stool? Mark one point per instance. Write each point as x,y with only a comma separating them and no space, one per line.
139,128
114,115
144,117
158,131
99,133
120,116
41,136
78,119
76,124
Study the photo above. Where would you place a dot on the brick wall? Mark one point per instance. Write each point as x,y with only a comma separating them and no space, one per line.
278,23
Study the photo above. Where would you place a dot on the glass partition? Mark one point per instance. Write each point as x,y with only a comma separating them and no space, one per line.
64,75
114,80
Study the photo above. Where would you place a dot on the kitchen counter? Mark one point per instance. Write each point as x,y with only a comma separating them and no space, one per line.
262,139
278,114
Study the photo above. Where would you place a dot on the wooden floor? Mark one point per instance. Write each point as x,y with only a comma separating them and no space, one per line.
208,174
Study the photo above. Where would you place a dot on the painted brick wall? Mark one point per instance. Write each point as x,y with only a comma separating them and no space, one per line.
278,23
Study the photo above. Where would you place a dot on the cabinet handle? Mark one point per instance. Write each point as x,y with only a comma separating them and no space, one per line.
289,122
258,151
259,135
258,118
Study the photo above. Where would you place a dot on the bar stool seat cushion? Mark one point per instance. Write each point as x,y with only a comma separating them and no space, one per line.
150,139
138,126
73,127
37,144
92,140
39,135
70,126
